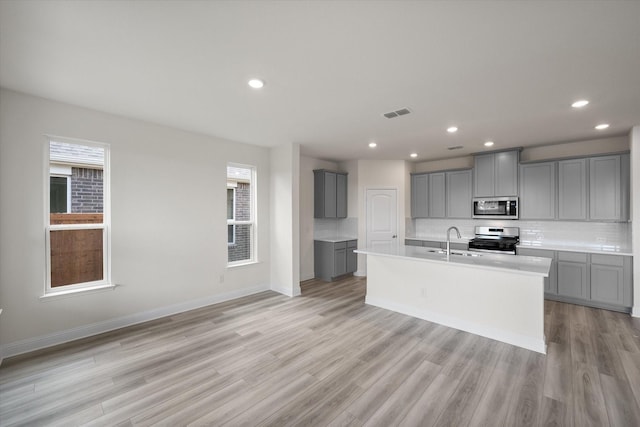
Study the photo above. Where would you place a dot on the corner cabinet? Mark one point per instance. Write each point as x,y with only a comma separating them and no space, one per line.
496,174
334,259
330,194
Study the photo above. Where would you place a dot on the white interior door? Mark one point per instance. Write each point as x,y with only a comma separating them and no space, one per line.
382,218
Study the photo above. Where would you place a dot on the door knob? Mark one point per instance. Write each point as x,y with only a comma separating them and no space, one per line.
394,236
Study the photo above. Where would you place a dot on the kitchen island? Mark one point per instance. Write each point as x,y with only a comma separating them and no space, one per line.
492,295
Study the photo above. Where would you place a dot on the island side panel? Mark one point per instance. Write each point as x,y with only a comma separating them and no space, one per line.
505,306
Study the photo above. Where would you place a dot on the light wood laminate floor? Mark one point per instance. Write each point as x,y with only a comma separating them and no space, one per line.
326,358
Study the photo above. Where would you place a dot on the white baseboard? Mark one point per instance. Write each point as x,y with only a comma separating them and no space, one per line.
287,291
307,277
635,311
37,343
360,273
529,343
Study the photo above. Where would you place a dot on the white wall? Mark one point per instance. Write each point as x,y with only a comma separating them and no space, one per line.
635,215
307,165
285,219
168,222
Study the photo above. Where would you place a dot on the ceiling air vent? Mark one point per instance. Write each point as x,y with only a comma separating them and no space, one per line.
455,147
400,112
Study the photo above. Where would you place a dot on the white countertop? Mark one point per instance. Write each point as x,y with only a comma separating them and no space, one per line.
536,266
335,239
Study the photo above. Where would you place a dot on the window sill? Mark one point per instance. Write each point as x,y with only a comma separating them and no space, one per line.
73,292
242,264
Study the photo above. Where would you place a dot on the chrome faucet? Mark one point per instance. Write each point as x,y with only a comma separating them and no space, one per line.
449,239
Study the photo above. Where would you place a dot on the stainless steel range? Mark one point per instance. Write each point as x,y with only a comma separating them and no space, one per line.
500,240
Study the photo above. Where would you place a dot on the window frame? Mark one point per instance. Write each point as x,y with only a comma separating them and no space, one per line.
231,221
105,282
253,220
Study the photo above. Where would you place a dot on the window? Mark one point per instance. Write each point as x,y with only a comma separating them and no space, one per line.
77,217
241,222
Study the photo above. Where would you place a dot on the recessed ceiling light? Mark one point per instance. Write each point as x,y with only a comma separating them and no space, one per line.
488,144
372,145
256,83
579,104
452,129
602,126
414,155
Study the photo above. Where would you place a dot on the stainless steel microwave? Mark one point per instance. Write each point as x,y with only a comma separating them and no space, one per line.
495,207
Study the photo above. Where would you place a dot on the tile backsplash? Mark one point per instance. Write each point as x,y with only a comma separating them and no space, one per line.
323,228
549,232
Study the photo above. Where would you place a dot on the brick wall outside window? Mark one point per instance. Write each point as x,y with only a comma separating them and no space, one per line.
86,190
240,250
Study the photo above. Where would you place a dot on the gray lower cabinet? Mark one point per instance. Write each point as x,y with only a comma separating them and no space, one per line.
611,279
595,280
334,259
412,242
459,191
538,191
352,257
572,275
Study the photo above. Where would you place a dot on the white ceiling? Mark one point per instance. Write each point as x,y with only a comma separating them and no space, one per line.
505,71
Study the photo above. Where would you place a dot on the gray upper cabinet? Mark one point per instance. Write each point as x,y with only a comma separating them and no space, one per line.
419,195
341,195
436,206
496,174
459,194
572,189
483,175
330,194
538,191
506,173
605,188
441,194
